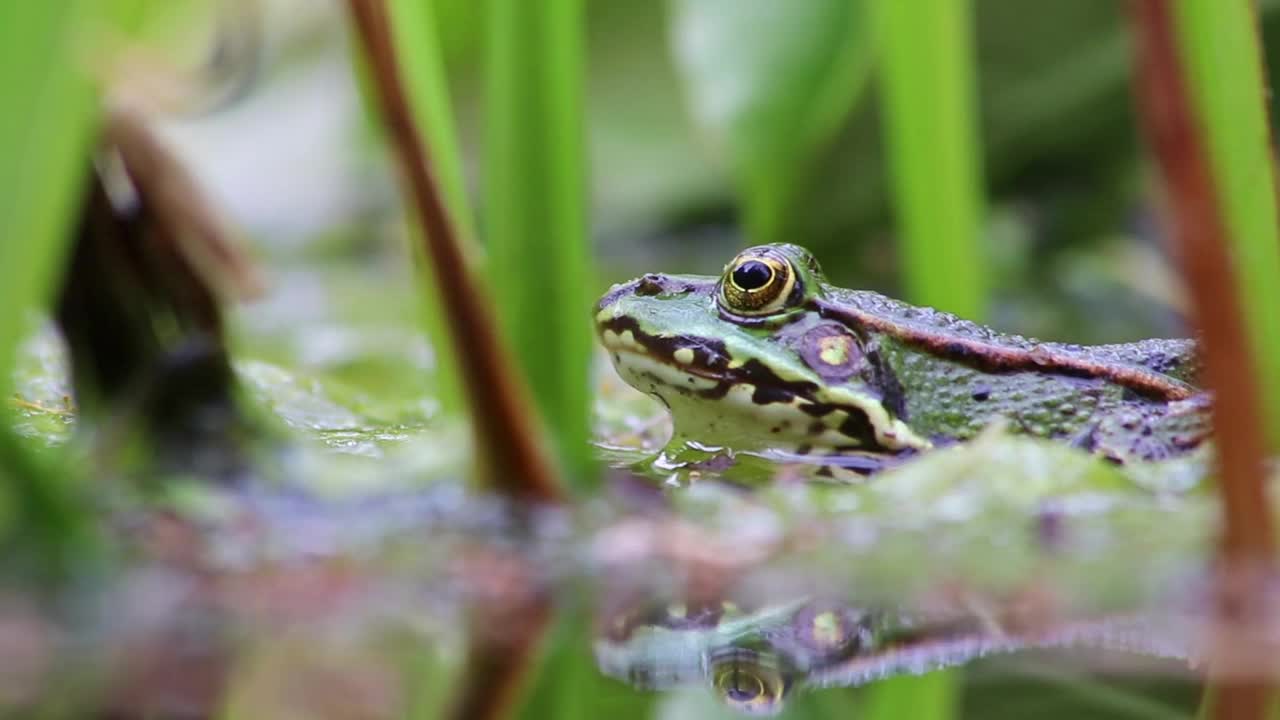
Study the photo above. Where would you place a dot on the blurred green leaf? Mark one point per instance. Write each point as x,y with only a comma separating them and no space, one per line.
567,684
773,80
47,117
1028,686
934,153
932,696
418,43
46,526
1223,58
459,24
535,214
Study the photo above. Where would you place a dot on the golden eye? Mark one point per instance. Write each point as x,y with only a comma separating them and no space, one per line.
748,683
756,285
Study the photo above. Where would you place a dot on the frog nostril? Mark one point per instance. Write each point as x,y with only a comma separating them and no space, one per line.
649,285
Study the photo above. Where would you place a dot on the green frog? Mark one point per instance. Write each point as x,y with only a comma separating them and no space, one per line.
770,358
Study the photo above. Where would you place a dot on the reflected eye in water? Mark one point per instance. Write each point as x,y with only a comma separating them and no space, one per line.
748,681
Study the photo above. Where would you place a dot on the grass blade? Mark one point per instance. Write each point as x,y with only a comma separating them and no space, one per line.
535,213
47,124
1222,57
416,36
928,77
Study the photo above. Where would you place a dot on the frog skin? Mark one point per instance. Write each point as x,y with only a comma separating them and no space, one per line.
769,357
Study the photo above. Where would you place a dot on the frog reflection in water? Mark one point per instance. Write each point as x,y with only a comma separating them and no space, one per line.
754,661
771,358
750,661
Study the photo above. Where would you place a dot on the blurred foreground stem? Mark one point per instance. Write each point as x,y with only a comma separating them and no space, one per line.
1201,231
506,431
1222,56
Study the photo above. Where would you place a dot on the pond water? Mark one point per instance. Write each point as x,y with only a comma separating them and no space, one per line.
353,573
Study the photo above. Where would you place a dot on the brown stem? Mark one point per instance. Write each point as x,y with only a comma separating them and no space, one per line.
497,667
506,436
1167,115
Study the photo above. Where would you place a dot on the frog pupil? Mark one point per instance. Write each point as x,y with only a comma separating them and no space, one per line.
752,275
740,691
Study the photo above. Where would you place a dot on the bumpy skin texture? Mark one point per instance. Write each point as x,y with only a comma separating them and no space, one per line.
842,370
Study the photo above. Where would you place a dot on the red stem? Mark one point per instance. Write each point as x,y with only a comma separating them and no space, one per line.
508,440
1246,548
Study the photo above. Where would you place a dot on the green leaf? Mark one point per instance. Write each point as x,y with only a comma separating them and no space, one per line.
417,41
772,80
47,120
535,214
928,80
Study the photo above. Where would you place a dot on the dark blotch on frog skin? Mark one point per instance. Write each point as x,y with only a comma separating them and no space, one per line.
893,395
858,427
764,395
710,355
759,374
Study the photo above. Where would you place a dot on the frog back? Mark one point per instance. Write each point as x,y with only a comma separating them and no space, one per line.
948,378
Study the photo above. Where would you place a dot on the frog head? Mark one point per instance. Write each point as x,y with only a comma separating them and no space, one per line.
747,360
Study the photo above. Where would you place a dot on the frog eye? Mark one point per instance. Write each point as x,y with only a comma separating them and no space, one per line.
748,683
756,285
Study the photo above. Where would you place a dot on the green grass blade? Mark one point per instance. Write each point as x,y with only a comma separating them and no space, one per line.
932,696
418,44
928,79
535,208
1222,57
47,120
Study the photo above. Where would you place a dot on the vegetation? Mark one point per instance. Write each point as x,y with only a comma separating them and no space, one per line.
959,154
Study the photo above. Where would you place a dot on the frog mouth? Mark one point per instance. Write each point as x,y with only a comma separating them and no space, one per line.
703,359
685,361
